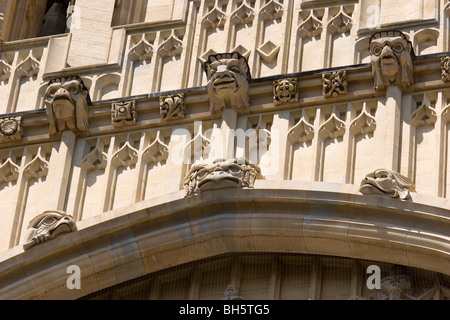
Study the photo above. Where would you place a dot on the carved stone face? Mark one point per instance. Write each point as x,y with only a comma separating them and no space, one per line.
66,100
228,76
387,183
391,60
46,226
221,174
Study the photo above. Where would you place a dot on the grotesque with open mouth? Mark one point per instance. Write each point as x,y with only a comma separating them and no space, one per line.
66,100
391,60
387,183
236,173
228,76
46,226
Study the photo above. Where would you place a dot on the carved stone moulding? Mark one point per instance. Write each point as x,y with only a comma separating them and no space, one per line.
172,107
228,75
387,183
123,113
391,59
66,101
334,83
445,69
10,129
285,91
235,173
47,226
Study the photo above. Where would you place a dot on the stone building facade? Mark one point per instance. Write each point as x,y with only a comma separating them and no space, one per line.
215,149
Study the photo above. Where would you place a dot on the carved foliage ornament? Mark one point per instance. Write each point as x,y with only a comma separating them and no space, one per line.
228,75
47,226
387,183
445,69
172,107
66,100
284,91
123,113
10,129
391,59
236,173
334,83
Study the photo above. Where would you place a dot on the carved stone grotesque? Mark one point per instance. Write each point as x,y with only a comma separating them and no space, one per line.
387,183
66,100
228,75
284,91
47,226
236,173
391,60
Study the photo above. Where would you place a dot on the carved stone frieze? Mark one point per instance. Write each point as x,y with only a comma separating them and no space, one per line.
387,183
123,113
445,69
47,226
391,59
228,75
66,101
334,83
284,91
10,129
235,173
172,107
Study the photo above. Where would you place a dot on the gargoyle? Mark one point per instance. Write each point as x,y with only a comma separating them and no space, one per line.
387,183
391,58
66,101
228,75
236,173
46,226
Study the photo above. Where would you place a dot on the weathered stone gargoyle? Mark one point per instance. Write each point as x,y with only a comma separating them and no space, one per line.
236,173
66,101
391,58
228,75
46,226
387,183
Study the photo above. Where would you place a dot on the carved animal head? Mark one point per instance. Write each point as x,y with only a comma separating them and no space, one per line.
391,60
67,100
228,75
387,183
221,174
46,226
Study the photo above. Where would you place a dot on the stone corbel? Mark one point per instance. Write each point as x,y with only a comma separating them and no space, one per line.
391,60
66,101
228,75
